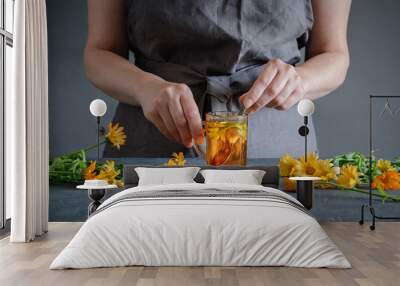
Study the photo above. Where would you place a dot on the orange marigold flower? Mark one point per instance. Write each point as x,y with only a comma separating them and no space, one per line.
108,172
171,163
90,172
119,183
116,135
389,180
289,185
177,159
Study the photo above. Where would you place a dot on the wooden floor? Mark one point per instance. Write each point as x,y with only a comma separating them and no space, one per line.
375,257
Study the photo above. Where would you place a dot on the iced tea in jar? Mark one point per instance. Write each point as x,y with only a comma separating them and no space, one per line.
226,134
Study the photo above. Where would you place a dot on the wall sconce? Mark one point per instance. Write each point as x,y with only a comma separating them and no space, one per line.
305,108
305,185
98,108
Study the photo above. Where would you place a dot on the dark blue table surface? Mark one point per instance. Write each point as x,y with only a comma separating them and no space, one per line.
70,204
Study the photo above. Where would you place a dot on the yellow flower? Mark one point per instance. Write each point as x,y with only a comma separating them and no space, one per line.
287,165
90,172
171,162
177,159
107,176
385,166
109,173
119,183
116,135
348,177
389,180
180,158
326,170
307,168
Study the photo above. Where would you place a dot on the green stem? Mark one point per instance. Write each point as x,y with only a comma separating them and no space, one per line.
356,190
102,141
63,172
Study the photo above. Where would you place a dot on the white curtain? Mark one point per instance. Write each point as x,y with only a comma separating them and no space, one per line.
27,124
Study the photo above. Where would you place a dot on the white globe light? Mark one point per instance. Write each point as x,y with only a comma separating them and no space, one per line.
98,107
305,107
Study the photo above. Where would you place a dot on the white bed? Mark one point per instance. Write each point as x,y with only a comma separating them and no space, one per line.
132,229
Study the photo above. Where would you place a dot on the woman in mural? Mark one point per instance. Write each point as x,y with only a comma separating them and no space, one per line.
193,56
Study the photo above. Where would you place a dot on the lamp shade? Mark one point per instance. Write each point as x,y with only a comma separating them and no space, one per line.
305,107
98,107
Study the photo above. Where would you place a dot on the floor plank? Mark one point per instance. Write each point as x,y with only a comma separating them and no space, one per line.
375,257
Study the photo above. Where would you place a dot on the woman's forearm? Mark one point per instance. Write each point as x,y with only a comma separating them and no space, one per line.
327,51
323,73
115,75
169,106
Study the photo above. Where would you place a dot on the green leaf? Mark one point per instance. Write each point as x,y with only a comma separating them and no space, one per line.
67,168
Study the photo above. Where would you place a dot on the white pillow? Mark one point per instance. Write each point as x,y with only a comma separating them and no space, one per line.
248,177
166,176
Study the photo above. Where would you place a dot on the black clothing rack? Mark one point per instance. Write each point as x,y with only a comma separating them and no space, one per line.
370,206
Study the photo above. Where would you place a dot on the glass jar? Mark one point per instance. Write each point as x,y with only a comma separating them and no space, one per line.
226,137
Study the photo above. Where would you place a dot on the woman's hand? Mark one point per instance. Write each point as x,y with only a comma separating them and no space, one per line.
173,110
327,59
278,86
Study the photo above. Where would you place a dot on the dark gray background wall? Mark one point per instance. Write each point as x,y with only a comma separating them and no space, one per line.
341,118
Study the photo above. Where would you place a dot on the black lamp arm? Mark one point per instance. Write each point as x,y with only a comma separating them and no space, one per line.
303,131
98,137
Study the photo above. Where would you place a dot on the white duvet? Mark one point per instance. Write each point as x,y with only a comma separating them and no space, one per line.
200,231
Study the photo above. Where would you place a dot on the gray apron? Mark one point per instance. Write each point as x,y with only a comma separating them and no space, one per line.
217,48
